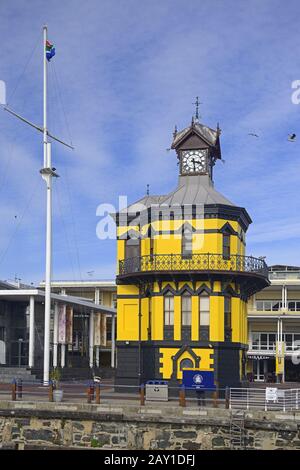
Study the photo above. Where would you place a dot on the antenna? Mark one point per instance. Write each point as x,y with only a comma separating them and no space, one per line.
148,188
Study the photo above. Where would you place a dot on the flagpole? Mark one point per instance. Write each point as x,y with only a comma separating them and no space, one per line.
47,176
47,173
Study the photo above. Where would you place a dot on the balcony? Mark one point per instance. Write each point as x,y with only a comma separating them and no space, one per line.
209,264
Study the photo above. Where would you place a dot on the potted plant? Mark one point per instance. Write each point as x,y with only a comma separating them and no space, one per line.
55,376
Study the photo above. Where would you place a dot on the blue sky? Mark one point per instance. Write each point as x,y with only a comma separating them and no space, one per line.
128,72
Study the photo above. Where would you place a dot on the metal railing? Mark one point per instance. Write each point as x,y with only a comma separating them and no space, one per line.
110,393
196,262
256,398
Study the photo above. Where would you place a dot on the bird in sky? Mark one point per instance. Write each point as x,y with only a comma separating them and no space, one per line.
253,134
292,137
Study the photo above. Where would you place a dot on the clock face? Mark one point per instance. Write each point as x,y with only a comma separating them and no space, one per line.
194,161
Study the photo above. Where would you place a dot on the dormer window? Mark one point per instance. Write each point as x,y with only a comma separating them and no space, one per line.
226,246
187,244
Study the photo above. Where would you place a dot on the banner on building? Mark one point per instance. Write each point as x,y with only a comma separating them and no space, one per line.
103,330
62,323
69,325
280,350
97,329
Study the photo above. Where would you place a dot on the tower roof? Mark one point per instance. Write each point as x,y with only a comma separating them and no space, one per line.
209,135
195,190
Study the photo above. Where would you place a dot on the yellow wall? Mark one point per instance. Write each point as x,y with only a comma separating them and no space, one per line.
127,319
171,243
216,319
166,363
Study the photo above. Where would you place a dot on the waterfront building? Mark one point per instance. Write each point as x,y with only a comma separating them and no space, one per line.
274,317
184,279
81,342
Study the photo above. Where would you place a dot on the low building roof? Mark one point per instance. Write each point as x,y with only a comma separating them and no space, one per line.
23,295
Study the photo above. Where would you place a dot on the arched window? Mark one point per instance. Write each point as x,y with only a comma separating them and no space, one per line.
169,309
204,306
186,310
186,364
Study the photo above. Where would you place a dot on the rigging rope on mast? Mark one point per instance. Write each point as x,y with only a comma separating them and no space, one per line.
24,69
26,208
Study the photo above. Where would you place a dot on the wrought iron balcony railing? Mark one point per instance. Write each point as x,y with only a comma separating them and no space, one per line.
197,262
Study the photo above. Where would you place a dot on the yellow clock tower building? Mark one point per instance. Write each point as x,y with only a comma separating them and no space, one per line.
183,277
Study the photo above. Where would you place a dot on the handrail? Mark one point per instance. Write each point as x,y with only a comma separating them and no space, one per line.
196,262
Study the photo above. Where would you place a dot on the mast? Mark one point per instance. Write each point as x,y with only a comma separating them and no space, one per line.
47,173
47,176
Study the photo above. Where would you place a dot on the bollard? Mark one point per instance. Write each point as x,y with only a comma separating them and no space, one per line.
92,387
182,401
14,390
216,396
50,391
215,399
88,392
142,395
19,388
98,394
227,398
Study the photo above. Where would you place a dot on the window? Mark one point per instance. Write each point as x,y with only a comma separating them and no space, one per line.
186,364
2,333
132,248
294,306
186,310
226,246
227,313
187,244
114,300
268,305
169,310
204,310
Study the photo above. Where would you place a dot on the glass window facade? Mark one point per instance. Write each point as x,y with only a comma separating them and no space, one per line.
186,310
169,310
204,310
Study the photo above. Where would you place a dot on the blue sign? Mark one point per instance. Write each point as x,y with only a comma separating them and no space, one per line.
198,379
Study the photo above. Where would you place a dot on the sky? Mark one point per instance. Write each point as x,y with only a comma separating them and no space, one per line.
125,72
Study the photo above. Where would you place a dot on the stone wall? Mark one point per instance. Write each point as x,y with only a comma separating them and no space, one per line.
36,425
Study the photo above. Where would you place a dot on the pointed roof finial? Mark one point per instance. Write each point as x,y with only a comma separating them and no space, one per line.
175,131
148,187
197,103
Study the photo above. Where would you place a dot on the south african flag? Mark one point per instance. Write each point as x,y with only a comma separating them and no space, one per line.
50,50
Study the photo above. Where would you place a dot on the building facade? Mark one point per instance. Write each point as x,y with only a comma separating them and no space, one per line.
274,318
184,279
82,327
101,292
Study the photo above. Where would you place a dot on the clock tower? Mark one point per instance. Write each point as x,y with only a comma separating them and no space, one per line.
184,278
197,148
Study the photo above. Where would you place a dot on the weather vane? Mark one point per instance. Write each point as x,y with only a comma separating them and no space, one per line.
197,103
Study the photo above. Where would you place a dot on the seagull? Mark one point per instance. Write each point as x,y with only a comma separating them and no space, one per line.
292,137
253,135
